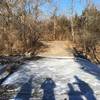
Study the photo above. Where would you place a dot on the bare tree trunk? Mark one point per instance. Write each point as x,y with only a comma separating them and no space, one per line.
54,27
72,24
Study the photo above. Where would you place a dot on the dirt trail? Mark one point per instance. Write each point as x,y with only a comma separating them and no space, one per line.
57,48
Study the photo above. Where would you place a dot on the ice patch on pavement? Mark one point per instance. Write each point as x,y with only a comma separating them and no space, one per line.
62,72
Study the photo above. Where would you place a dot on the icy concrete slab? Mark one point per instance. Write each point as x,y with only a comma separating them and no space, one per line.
61,78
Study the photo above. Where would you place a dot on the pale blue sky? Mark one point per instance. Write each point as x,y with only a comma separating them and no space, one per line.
65,5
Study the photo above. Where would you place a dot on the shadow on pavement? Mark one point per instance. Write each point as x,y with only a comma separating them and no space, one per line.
48,89
73,94
89,67
85,89
25,92
86,64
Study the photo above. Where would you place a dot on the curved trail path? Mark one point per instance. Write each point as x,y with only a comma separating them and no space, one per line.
57,48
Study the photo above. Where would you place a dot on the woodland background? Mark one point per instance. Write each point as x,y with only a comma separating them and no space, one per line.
23,25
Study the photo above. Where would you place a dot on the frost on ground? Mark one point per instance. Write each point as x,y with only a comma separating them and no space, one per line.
56,79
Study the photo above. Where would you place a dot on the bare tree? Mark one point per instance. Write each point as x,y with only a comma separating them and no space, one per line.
72,24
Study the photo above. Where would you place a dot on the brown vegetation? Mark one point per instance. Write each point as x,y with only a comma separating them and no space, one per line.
22,29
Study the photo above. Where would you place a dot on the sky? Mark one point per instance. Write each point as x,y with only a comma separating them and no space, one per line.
65,6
